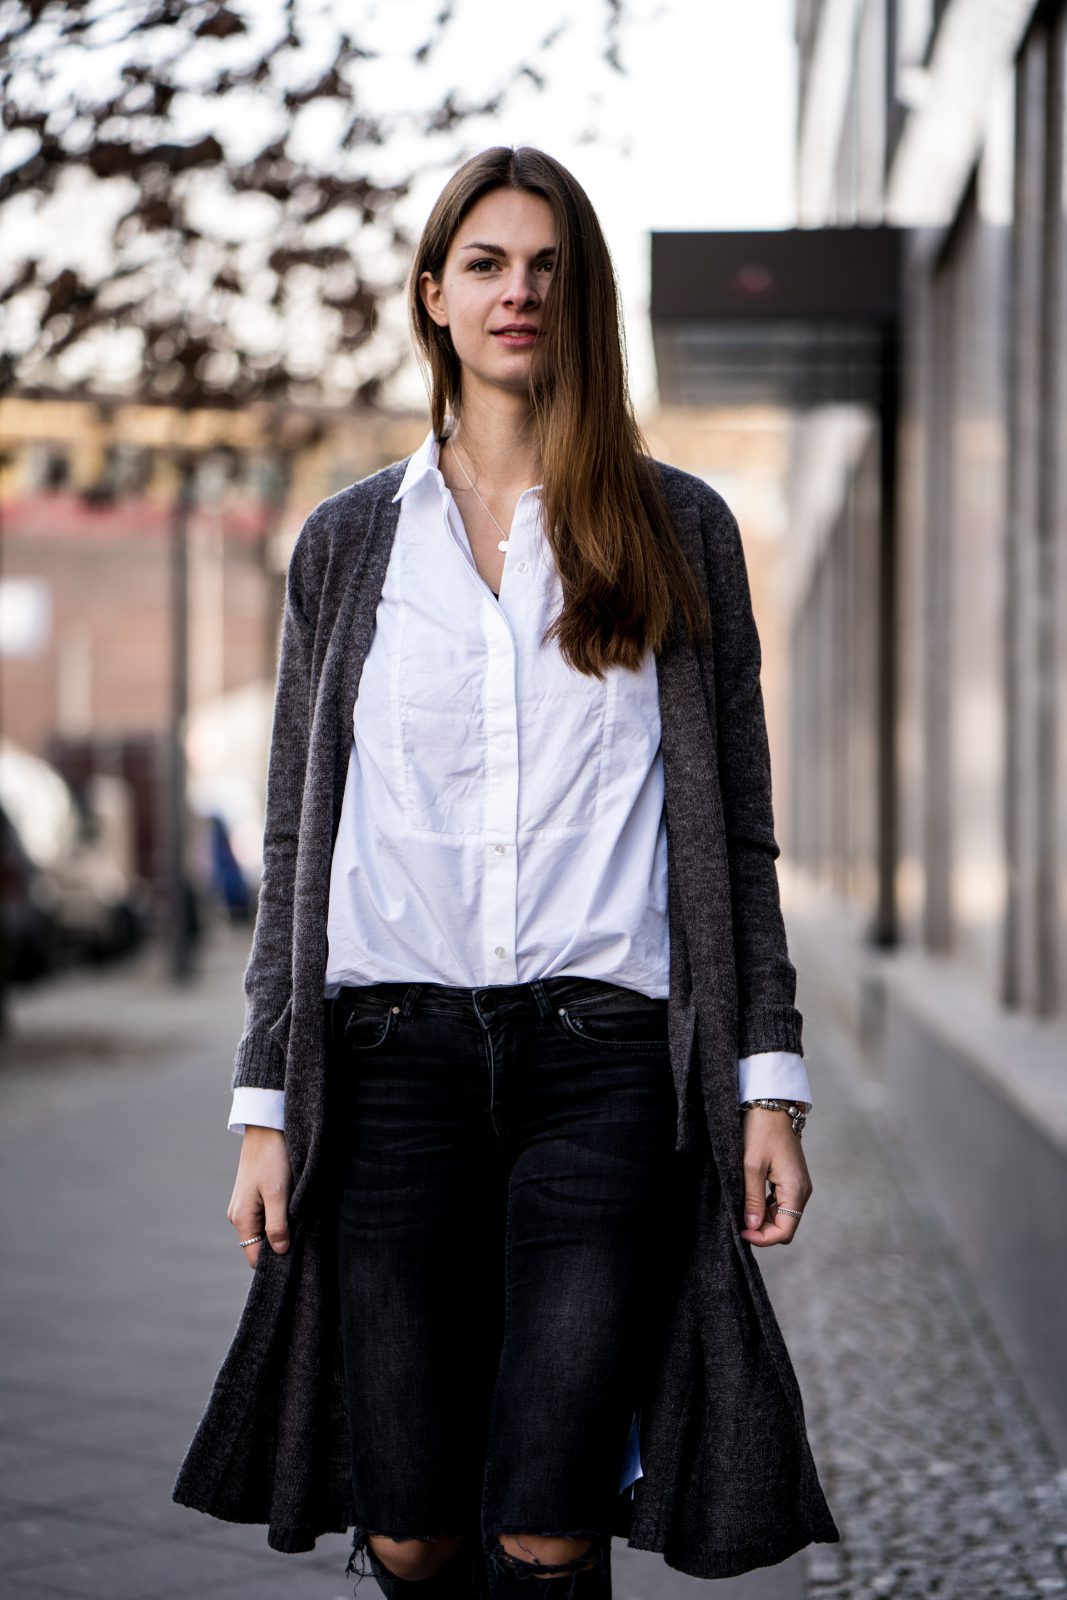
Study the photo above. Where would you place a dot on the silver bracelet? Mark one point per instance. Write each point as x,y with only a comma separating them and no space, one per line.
796,1112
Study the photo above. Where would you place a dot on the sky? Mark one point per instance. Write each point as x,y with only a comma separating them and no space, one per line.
697,132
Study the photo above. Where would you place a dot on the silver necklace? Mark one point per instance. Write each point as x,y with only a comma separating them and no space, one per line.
502,544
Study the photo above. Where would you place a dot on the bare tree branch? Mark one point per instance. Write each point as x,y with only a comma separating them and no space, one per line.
233,265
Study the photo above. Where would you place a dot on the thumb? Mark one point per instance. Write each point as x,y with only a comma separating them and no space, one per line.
277,1223
755,1205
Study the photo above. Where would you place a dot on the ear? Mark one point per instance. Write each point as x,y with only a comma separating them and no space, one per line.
433,298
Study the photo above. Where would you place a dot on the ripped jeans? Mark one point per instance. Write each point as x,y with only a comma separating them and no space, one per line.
504,1156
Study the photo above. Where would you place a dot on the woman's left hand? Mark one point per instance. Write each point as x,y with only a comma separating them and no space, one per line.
772,1154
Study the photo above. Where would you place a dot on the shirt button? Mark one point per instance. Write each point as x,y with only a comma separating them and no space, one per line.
523,565
500,951
500,850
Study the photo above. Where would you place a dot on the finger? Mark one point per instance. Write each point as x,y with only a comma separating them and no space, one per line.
755,1193
248,1227
251,1250
277,1224
773,1232
783,1222
779,1226
790,1189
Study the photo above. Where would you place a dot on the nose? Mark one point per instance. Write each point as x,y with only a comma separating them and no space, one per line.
520,287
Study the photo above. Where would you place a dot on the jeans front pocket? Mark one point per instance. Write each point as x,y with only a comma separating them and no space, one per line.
364,1022
622,1018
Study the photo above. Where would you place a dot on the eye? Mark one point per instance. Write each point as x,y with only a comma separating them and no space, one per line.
485,262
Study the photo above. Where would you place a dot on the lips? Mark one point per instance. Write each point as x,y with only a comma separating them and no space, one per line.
517,330
516,338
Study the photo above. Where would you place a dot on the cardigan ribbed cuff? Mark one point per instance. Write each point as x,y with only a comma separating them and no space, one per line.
259,1062
769,1028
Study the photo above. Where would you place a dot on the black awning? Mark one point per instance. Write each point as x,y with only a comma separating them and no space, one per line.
796,317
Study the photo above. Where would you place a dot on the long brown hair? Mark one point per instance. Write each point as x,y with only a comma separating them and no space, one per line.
605,516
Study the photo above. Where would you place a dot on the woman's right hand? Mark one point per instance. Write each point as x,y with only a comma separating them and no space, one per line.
260,1199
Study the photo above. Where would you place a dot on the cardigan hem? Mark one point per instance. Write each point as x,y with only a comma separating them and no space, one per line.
715,1563
733,1561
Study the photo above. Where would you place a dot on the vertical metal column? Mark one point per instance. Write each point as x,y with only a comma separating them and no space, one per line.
1020,965
884,927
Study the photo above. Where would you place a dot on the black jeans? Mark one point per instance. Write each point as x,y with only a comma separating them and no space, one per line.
504,1155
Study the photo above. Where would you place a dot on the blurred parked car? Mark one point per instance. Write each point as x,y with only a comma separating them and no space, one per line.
27,937
68,891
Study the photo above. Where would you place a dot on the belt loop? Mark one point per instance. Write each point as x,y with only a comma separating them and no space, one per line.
408,1003
544,1005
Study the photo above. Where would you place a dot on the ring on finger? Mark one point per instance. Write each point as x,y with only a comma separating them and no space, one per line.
789,1211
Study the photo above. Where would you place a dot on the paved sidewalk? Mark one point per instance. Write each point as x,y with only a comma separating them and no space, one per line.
123,1285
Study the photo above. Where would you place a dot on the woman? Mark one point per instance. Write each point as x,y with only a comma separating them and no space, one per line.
500,1014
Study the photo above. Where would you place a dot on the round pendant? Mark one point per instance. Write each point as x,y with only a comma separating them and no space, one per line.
502,544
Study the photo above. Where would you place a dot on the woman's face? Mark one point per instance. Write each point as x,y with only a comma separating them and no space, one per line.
495,279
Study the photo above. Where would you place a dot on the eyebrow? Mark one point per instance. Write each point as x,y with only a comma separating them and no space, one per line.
495,250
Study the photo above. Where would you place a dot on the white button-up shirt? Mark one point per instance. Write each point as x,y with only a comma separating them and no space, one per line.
503,815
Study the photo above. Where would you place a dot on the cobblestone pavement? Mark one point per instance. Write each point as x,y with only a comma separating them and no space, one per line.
121,1290
933,1461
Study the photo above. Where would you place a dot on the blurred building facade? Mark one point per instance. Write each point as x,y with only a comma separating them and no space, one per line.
89,494
934,641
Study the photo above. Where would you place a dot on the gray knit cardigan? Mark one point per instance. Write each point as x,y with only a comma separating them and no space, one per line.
729,1481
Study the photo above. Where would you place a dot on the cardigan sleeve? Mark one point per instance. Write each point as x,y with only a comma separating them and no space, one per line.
768,1019
261,1050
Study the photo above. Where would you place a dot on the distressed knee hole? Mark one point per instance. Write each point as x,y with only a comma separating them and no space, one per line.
530,1557
413,1559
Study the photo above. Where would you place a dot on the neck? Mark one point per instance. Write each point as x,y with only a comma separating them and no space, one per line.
500,440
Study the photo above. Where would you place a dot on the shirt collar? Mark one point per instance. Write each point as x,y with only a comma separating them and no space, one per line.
423,462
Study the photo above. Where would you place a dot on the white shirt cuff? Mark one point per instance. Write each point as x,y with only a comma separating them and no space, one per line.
258,1108
773,1075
